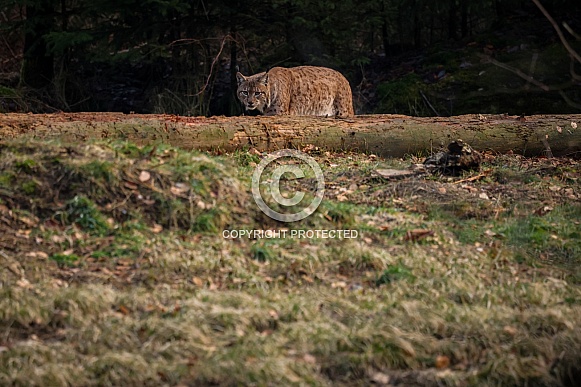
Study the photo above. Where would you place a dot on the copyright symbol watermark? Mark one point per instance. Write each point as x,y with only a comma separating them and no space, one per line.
273,181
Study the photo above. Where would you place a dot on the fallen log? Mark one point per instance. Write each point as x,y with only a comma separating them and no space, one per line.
383,135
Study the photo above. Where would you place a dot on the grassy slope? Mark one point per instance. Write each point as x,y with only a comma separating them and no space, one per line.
113,278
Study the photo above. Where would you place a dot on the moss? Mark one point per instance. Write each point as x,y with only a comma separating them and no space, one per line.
26,165
401,96
29,187
7,179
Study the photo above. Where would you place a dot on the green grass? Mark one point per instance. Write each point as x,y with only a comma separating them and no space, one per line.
138,286
82,211
65,259
555,237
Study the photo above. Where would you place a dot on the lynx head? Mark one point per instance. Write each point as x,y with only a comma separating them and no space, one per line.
254,91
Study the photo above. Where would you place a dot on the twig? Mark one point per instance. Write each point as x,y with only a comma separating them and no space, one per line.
477,177
530,79
429,104
518,72
568,47
226,38
532,67
570,30
574,75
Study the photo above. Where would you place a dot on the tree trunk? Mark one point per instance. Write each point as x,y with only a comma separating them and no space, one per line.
383,135
464,17
38,64
384,30
452,20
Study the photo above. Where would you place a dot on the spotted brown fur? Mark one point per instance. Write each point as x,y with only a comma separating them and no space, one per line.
299,91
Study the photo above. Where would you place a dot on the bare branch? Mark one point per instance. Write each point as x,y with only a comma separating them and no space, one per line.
576,77
570,30
530,79
518,72
566,44
226,38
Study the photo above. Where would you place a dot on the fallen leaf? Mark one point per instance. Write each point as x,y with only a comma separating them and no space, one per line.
31,222
130,185
15,268
380,378
254,151
574,125
37,254
308,358
179,189
24,283
489,233
156,228
469,188
417,234
123,309
510,330
543,210
144,176
23,233
483,195
442,361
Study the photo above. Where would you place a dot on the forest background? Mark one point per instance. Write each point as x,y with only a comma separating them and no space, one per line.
416,57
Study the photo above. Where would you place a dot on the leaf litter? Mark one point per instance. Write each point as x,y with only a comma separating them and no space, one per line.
464,283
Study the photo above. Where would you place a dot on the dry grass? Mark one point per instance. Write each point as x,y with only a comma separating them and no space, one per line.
184,306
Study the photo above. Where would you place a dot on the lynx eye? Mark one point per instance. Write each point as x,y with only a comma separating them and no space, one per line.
258,93
244,93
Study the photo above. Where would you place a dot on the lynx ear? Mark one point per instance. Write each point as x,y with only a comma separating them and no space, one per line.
240,78
264,79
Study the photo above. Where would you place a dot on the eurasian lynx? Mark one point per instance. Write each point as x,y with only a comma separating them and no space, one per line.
304,90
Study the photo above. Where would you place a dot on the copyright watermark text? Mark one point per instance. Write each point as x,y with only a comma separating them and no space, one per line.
284,233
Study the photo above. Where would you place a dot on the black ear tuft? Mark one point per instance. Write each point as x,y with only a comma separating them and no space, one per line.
240,78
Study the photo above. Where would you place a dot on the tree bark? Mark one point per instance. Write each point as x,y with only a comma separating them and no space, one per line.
383,135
